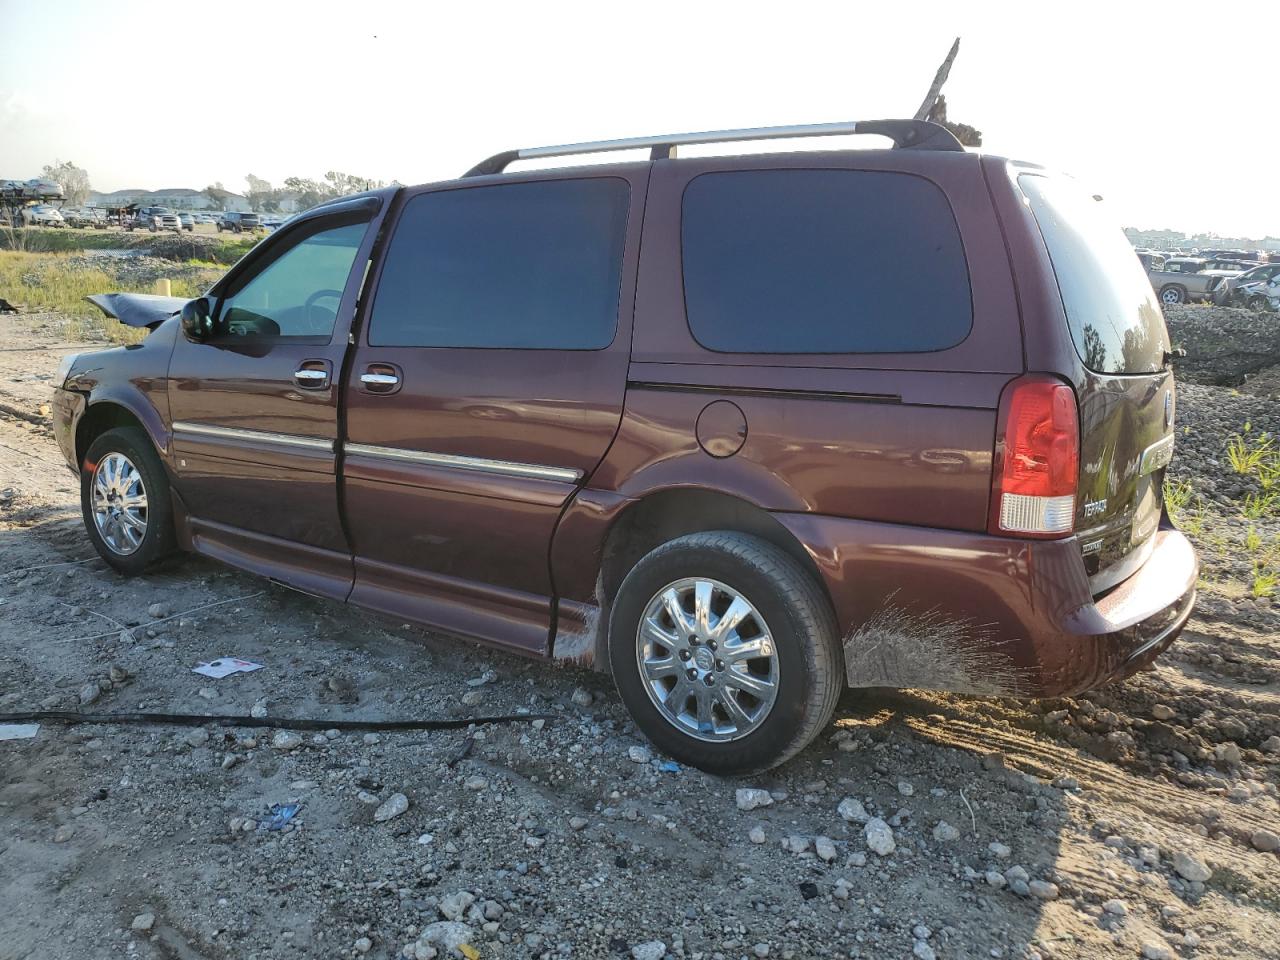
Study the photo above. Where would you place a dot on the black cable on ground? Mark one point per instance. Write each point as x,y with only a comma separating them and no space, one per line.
285,723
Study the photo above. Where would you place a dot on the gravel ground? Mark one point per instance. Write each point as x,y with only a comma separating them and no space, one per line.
1227,346
1137,821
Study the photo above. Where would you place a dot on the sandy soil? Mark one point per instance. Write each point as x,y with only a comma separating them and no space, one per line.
1066,822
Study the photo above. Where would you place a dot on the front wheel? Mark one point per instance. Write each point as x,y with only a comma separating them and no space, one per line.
124,497
725,651
1173,294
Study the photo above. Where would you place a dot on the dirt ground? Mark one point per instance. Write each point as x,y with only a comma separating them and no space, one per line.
1134,822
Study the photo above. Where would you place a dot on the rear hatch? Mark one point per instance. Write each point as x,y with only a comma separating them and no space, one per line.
1125,393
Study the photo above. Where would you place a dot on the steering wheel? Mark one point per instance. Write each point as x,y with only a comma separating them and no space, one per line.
323,295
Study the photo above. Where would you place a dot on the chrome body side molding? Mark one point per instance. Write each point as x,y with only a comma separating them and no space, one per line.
479,464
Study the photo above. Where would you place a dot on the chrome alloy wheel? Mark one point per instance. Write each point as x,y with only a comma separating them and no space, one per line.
708,660
119,504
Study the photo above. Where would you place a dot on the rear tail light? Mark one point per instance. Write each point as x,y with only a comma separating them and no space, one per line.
1037,460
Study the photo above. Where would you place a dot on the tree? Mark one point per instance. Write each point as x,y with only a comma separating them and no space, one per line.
260,192
73,180
335,184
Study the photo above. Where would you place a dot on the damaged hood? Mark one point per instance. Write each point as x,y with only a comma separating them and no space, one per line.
138,309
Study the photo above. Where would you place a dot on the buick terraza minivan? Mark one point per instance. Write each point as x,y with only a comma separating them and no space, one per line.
741,430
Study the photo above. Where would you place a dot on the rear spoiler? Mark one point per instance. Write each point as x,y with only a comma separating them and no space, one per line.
138,309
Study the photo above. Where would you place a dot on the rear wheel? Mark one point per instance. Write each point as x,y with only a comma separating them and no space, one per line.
1258,303
725,651
124,497
1173,294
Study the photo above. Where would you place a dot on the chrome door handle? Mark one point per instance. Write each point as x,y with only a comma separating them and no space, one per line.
379,379
311,378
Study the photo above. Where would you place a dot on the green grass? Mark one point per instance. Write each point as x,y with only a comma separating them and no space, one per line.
212,249
1245,456
1184,506
1259,505
1264,582
43,281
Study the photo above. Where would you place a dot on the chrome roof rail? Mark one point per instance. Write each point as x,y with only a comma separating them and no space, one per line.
905,134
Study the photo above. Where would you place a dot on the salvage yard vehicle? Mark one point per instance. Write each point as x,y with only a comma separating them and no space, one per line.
239,222
154,219
1184,279
864,418
42,215
83,217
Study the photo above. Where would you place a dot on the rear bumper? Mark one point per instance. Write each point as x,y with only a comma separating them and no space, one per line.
973,613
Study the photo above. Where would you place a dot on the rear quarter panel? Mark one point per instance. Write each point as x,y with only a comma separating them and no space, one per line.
897,438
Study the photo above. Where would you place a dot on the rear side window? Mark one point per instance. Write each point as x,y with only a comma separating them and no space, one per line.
823,261
522,265
1111,307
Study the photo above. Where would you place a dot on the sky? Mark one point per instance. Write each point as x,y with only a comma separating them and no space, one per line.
1158,107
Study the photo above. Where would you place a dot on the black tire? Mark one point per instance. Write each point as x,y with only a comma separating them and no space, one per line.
158,542
1258,304
810,674
1173,294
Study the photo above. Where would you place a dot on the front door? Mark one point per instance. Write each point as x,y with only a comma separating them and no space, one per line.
487,384
254,408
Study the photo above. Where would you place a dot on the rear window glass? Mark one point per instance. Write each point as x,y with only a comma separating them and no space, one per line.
823,261
524,265
1111,307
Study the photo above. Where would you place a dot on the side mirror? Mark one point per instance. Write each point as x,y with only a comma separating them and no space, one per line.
197,320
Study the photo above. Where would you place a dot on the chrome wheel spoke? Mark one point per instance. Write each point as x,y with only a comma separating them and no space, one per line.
729,703
705,722
742,650
738,611
702,608
655,634
671,603
693,661
661,668
748,682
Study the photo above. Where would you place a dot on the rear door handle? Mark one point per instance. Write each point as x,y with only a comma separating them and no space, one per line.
380,378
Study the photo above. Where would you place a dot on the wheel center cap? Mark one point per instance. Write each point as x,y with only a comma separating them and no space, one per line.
703,659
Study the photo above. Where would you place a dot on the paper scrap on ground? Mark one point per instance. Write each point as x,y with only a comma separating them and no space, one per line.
224,667
18,731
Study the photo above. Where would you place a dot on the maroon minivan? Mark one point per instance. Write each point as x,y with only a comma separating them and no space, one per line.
741,430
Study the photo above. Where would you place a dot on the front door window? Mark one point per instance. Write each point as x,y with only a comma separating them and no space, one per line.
298,293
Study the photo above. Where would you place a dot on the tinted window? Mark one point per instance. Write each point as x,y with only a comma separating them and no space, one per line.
822,261
298,293
532,265
1111,307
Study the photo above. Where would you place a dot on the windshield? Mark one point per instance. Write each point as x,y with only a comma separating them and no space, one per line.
1111,308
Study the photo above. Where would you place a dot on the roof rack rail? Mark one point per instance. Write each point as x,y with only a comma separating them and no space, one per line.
905,134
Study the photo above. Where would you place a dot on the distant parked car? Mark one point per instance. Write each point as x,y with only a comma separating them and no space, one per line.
274,222
1184,278
82,217
41,188
10,188
1150,261
1229,265
154,219
1246,288
239,222
42,215
187,221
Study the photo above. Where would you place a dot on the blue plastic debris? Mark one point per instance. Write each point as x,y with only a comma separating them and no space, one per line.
669,766
281,814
